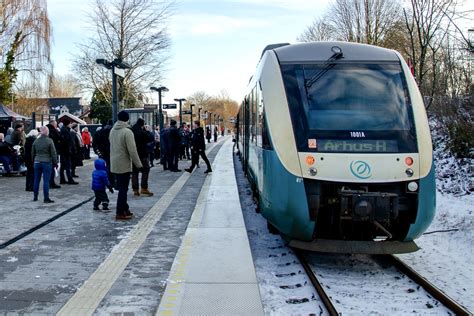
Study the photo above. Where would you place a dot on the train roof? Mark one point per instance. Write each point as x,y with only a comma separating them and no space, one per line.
322,51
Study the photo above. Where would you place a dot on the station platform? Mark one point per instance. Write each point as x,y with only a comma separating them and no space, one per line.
213,272
185,252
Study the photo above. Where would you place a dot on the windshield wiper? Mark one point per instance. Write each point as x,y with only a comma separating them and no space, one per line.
328,65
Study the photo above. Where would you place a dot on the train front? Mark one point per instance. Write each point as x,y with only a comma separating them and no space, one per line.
363,146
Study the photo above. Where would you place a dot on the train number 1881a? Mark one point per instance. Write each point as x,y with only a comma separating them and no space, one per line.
357,134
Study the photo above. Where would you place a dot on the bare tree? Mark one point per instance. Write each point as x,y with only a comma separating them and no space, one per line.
131,30
25,41
63,86
318,31
427,23
362,21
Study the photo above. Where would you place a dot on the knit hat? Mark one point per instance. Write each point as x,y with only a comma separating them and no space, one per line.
140,122
123,116
173,123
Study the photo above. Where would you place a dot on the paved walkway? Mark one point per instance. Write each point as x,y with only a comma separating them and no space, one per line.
213,272
40,273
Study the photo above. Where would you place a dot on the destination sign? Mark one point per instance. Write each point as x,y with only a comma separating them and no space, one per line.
168,106
359,145
186,112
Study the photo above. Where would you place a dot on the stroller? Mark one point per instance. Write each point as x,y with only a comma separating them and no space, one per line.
19,156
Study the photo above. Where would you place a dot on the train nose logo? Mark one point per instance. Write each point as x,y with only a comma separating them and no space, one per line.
360,169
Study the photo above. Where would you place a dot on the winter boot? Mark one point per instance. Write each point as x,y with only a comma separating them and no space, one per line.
136,192
145,192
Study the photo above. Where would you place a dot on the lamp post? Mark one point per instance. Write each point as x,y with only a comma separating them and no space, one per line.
191,107
117,66
210,119
160,106
180,110
199,115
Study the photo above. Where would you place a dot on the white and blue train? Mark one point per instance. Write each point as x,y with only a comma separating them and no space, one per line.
335,141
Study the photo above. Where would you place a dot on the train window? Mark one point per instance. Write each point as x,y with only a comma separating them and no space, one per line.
259,115
357,97
338,100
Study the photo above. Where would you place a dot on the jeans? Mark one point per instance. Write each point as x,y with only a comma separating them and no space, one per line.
123,180
5,160
42,168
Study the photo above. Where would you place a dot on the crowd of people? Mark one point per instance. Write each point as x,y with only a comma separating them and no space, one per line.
124,153
44,152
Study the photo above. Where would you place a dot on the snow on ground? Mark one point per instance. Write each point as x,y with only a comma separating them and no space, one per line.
447,258
284,287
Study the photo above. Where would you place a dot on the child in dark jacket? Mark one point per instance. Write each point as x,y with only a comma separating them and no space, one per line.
100,181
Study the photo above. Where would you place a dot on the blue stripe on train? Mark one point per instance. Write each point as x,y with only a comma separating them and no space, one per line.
283,200
426,206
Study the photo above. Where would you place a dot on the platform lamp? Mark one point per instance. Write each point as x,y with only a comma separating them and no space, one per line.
180,110
160,106
118,69
191,109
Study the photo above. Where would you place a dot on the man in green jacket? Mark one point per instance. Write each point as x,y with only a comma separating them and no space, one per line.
123,152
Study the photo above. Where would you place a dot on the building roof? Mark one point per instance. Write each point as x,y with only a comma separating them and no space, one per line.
5,112
71,118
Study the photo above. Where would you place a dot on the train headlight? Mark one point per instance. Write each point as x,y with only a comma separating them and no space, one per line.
313,171
412,186
409,172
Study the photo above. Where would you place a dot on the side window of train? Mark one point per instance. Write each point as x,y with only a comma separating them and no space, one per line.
264,138
253,117
259,115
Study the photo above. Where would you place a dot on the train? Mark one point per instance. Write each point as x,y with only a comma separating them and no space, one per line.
335,142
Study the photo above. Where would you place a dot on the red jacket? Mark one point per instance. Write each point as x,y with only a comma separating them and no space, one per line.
86,138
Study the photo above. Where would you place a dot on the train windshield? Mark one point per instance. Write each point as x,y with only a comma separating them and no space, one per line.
355,102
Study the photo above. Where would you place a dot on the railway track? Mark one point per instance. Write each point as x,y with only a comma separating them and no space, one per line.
429,287
331,309
391,261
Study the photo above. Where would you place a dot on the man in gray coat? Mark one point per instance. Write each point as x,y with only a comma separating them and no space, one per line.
123,152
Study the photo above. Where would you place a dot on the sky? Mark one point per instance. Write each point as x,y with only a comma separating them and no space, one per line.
215,45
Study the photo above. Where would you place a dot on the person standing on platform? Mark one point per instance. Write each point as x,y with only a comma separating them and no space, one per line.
77,157
215,134
208,134
101,145
56,138
150,146
66,152
29,163
87,141
142,138
198,148
156,134
44,157
100,182
123,152
164,147
174,145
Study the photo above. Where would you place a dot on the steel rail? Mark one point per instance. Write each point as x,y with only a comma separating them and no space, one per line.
314,280
429,287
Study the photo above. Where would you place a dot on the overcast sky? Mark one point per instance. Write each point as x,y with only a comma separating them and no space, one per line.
215,44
